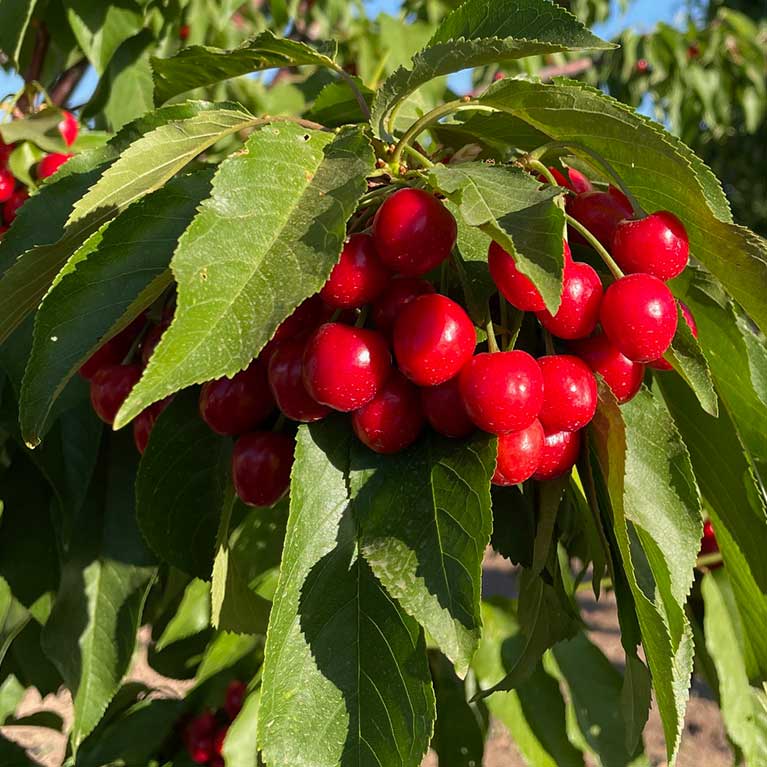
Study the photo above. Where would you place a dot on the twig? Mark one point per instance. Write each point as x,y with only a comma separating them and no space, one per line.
35,68
67,82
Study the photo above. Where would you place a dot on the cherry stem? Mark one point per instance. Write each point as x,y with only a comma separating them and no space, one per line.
706,560
349,80
492,344
543,170
416,155
514,328
336,314
596,244
548,342
361,318
279,423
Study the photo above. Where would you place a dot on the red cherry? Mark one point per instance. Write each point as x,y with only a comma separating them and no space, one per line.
502,391
600,213
571,179
235,696
261,463
569,393
621,198
5,153
306,318
236,405
151,339
579,308
708,543
559,454
7,185
693,51
623,376
444,409
144,422
660,363
358,278
200,748
217,761
218,740
345,367
414,232
110,387
113,351
11,207
518,454
656,244
399,293
50,164
286,382
183,32
639,316
393,419
433,339
642,66
69,128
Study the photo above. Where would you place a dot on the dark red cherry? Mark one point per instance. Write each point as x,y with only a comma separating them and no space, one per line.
502,391
519,453
217,761
235,696
238,404
344,366
393,419
660,363
51,163
11,207
305,319
656,244
638,315
600,213
414,232
358,278
110,387
113,351
151,339
286,368
579,308
5,153
559,454
218,740
569,393
198,737
708,543
399,293
261,463
623,376
68,128
433,339
444,409
7,185
144,422
618,194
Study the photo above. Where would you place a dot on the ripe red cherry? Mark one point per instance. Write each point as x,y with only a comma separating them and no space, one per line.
183,32
569,393
69,128
11,207
519,453
151,339
623,376
502,391
358,278
198,737
571,179
642,66
5,153
286,382
414,232
345,367
110,387
393,419
7,185
113,351
660,363
656,244
50,164
261,463
708,543
306,318
600,213
433,339
235,696
218,740
444,409
559,454
399,293
579,308
144,422
516,288
639,316
238,404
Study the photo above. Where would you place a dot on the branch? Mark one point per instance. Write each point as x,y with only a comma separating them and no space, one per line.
35,68
569,69
67,82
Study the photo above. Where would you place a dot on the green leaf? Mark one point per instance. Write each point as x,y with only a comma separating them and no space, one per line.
199,65
510,206
191,617
241,744
514,522
41,128
346,679
11,694
266,239
337,105
14,20
636,697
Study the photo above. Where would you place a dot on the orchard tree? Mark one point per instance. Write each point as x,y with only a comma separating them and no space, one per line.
282,356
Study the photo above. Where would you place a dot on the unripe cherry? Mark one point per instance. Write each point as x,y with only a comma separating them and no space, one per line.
398,294
569,393
656,244
51,163
358,278
68,128
11,207
519,453
7,185
445,411
660,363
414,232
261,464
638,315
110,387
559,454
286,381
600,213
502,391
433,339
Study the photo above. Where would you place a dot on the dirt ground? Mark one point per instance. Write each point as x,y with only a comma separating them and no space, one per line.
703,744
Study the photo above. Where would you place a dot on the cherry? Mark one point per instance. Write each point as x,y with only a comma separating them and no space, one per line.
433,339
708,543
11,207
286,382
358,278
444,409
217,761
559,454
5,153
642,66
571,179
393,419
639,316
144,422
345,367
234,698
151,339
7,185
68,128
218,740
306,317
569,393
519,453
198,737
110,387
399,293
623,376
414,232
620,197
600,213
502,391
113,351
660,363
579,308
50,164
261,463
656,244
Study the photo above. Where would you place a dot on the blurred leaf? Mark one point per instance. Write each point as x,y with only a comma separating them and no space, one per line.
241,746
14,20
191,617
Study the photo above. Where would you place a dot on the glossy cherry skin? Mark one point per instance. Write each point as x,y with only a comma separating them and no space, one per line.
660,363
5,153
600,213
358,278
150,341
502,391
238,404
393,419
444,409
261,463
345,367
50,164
110,387
286,368
305,319
399,293
414,232
113,351
7,185
69,128
144,422
623,376
569,393
572,179
579,307
708,543
559,454
639,316
656,244
516,288
11,207
519,453
235,696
